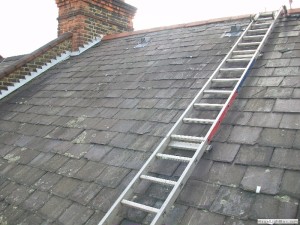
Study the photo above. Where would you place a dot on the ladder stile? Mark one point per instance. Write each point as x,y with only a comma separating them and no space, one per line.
243,53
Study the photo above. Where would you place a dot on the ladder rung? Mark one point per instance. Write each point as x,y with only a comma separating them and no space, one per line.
200,121
173,157
187,138
140,206
225,80
261,24
253,37
238,60
248,43
223,92
266,14
232,69
241,56
264,18
257,30
159,180
184,145
244,52
208,105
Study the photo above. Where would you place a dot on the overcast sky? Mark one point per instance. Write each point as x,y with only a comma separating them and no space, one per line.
28,24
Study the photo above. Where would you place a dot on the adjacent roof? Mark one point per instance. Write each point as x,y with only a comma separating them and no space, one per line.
72,139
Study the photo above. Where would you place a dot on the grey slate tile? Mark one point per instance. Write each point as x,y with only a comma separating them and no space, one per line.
286,158
123,140
64,133
84,192
104,199
36,200
198,194
277,138
296,143
245,135
233,221
65,186
291,183
290,121
265,120
18,195
112,176
71,167
97,152
54,163
90,171
233,202
117,157
222,152
226,174
287,105
78,150
278,92
268,179
75,215
54,207
254,155
269,81
259,105
277,207
47,181
194,216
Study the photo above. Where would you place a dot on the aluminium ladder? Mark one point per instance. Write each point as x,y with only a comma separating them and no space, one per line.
214,99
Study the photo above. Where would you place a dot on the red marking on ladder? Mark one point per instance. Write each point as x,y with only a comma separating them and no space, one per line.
216,127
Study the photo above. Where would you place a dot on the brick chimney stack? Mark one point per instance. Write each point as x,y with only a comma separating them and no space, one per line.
87,19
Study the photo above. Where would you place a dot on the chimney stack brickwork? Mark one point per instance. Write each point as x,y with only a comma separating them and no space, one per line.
88,19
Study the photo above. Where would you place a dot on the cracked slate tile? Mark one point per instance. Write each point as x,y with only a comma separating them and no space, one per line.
233,202
268,179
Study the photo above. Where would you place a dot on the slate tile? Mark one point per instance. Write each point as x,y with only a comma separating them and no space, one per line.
142,127
164,167
239,118
291,183
233,221
277,138
223,133
71,167
36,200
75,215
176,214
129,103
198,194
144,143
268,179
278,92
104,199
259,105
95,137
222,152
26,175
117,157
32,219
266,207
123,140
64,133
163,116
147,103
269,81
265,120
296,143
254,155
233,202
278,62
85,192
286,158
104,124
112,176
95,218
287,105
136,160
123,126
227,174
41,159
194,216
12,214
54,207
65,186
5,149
54,163
90,171
19,195
290,121
47,181
97,152
61,146
245,134
158,191
22,155
77,151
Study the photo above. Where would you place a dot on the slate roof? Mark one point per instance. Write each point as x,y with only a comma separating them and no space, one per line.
72,139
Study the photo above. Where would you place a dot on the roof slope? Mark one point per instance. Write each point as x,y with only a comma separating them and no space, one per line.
72,139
